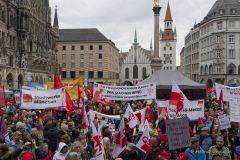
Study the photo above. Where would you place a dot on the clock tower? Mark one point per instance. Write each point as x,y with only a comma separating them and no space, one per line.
168,41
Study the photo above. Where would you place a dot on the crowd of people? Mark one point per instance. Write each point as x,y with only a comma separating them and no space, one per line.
43,135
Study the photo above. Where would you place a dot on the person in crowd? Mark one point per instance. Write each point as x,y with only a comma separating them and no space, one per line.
206,139
130,152
219,151
87,150
183,156
5,152
106,132
16,142
61,152
107,148
52,136
43,153
73,156
195,152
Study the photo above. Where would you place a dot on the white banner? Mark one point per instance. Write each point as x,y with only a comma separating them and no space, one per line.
229,93
194,111
35,99
125,93
234,111
224,122
110,120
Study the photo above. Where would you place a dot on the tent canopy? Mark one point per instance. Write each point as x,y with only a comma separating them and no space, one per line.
165,79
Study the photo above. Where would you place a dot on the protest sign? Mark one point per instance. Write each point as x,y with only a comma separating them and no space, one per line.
125,93
110,120
178,133
35,99
224,121
71,87
229,93
234,111
194,111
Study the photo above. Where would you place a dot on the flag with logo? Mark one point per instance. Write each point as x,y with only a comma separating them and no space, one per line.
121,140
178,99
98,145
220,100
143,143
146,125
131,117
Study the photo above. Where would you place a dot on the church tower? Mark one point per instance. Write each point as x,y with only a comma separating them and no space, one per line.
168,41
55,23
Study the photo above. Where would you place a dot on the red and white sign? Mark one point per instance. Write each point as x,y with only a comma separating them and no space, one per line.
121,140
132,118
98,145
143,143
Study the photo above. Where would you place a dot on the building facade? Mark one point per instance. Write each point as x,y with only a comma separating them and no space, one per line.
88,54
168,42
215,44
135,64
27,42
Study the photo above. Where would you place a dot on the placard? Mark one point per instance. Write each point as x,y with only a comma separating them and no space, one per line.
125,93
36,99
229,93
224,121
234,111
178,133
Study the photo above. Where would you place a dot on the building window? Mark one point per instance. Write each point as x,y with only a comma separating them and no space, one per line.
231,39
170,68
164,62
91,47
219,25
164,48
144,72
234,11
63,65
90,55
64,74
231,54
170,61
73,48
81,73
91,65
218,53
82,65
135,72
72,65
99,64
170,55
231,24
81,56
217,39
100,56
63,57
126,73
170,48
164,55
90,74
81,48
100,47
231,69
100,74
72,74
221,11
73,57
64,48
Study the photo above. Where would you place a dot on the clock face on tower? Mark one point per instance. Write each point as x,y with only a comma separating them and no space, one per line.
167,44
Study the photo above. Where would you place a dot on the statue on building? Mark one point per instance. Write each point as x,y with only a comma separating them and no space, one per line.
155,3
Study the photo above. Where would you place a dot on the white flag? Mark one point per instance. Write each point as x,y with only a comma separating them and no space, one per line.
98,145
146,126
143,143
132,119
121,140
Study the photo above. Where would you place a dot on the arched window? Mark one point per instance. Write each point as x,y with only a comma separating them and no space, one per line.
144,72
206,70
239,69
135,72
210,69
231,69
202,70
126,73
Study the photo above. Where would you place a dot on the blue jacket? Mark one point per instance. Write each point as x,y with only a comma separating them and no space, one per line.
198,155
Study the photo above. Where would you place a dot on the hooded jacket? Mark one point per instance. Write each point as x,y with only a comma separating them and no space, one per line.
58,155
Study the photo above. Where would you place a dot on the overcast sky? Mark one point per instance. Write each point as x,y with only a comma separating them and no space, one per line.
117,19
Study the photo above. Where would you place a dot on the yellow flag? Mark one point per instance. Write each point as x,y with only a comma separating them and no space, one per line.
71,87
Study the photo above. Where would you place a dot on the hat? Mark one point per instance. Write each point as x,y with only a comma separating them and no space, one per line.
194,139
130,146
205,129
183,156
27,156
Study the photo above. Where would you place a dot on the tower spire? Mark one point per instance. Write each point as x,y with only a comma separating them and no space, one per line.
55,22
168,16
151,44
135,36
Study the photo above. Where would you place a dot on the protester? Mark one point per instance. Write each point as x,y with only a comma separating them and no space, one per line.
61,152
195,151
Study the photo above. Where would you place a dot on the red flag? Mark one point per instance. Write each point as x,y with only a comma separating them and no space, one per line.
132,118
58,84
143,143
2,96
121,140
98,146
83,113
220,100
178,99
